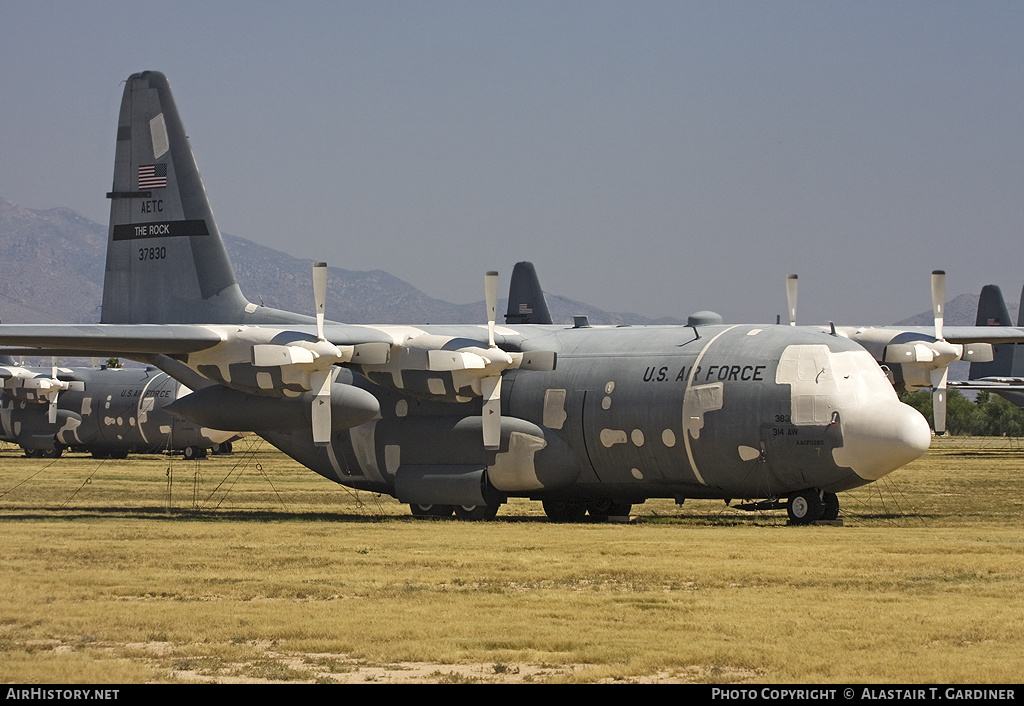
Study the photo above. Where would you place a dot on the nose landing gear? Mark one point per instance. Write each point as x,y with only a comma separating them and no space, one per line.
811,506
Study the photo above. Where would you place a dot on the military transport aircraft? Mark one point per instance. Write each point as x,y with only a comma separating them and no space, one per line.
108,412
459,418
1004,374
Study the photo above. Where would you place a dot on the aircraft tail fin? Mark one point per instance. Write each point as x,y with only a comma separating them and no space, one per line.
526,302
1020,309
992,307
166,262
1007,358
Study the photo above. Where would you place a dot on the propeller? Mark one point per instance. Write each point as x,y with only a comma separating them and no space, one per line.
51,392
498,361
938,301
485,366
48,388
315,360
320,378
490,386
939,375
320,296
44,388
791,298
926,363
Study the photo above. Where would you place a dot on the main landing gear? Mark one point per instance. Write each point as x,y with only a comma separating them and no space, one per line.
55,452
599,510
463,512
811,506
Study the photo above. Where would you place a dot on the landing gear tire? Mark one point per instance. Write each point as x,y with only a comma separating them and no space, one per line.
603,509
431,510
103,453
55,452
805,508
830,507
476,512
561,511
193,452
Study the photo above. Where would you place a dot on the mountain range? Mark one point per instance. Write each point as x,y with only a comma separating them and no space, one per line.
53,262
53,273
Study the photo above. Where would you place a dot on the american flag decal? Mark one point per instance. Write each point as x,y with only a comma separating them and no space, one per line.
525,308
153,176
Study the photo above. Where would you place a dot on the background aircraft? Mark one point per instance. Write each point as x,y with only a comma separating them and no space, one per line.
1004,374
458,418
108,412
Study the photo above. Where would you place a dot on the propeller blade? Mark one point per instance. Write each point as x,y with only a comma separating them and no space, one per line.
491,389
939,399
791,298
321,410
320,379
490,386
491,296
51,413
938,300
320,295
939,375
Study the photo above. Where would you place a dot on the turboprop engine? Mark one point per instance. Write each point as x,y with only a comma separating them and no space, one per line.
220,407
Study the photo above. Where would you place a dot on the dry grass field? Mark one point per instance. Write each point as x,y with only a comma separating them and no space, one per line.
248,568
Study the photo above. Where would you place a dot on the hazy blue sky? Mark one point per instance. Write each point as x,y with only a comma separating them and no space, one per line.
659,157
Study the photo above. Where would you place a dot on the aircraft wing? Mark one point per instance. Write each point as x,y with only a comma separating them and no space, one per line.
992,384
113,339
983,334
952,334
86,340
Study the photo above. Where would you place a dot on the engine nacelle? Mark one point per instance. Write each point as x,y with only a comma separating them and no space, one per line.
221,407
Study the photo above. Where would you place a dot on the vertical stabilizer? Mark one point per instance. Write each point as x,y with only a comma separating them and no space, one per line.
526,302
166,262
992,312
992,308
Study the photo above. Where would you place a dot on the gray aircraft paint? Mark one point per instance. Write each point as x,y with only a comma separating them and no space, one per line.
526,301
106,410
1004,374
598,416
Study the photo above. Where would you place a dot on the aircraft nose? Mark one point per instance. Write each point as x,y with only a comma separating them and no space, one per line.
881,437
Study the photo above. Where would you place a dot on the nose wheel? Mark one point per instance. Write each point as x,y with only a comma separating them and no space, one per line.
812,505
805,507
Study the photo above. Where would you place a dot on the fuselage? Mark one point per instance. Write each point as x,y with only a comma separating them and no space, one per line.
111,409
634,413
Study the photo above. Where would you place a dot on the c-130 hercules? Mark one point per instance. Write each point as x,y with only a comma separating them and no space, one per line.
459,418
108,412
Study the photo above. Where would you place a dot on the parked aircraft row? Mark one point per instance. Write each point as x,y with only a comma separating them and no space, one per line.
456,419
108,412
